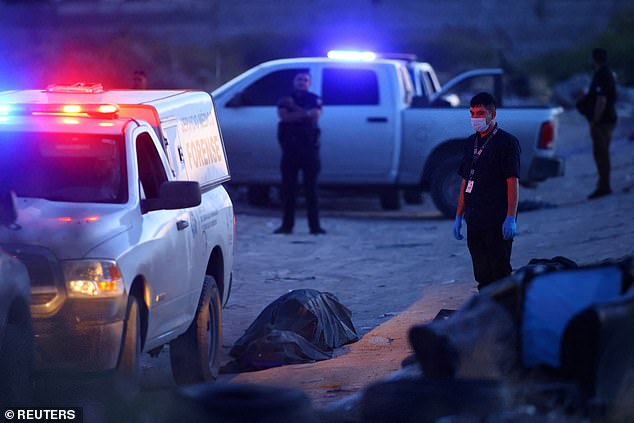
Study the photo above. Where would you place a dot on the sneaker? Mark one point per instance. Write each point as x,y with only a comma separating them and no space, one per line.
284,231
318,231
599,193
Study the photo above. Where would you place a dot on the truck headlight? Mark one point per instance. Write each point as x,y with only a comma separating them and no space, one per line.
92,278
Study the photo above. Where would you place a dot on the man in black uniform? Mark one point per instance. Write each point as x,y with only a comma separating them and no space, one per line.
488,197
298,135
601,115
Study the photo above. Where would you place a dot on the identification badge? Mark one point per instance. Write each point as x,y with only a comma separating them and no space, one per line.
469,187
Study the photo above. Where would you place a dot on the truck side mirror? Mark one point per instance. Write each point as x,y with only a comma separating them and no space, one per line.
174,195
237,100
8,210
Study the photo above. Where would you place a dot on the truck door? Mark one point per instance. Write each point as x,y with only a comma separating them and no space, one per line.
167,245
358,125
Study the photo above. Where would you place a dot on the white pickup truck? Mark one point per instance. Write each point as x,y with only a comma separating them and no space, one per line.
386,125
122,222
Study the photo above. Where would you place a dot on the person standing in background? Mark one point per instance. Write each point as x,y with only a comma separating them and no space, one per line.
298,134
139,80
598,106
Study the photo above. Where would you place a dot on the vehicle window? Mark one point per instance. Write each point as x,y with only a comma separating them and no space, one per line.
268,90
466,89
407,85
78,168
426,83
151,173
345,86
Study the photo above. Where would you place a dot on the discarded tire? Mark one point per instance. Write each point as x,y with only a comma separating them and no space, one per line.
477,341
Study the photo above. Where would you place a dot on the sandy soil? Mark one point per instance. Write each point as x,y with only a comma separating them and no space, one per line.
397,269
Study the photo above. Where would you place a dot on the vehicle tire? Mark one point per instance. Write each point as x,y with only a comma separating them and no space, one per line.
445,186
258,195
413,196
129,363
390,199
16,364
195,354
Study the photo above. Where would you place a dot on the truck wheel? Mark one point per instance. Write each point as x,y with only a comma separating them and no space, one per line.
413,196
195,354
129,365
390,199
445,186
258,195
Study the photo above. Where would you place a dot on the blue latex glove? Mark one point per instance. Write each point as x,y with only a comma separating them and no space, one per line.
457,227
509,227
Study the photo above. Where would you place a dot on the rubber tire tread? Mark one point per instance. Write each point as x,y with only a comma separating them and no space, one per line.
129,362
447,169
189,354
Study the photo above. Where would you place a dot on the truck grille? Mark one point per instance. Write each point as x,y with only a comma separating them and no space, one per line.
43,269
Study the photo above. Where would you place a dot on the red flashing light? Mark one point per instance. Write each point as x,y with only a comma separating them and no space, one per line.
103,111
107,108
67,219
71,109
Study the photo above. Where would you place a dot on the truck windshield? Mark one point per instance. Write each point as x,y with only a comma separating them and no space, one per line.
81,168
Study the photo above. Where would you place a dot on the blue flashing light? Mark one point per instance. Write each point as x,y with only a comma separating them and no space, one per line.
4,113
366,56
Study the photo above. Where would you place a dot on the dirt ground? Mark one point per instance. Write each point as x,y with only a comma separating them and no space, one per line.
397,269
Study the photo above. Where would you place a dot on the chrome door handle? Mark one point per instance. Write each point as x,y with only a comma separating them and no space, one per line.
182,224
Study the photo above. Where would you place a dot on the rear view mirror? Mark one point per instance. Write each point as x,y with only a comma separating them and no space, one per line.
8,210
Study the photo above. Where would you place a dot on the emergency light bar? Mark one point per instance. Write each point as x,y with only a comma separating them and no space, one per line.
104,111
366,56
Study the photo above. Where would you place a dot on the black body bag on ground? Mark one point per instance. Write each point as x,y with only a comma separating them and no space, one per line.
301,326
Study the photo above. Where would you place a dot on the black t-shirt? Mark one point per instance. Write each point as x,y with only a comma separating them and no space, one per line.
603,84
486,205
299,135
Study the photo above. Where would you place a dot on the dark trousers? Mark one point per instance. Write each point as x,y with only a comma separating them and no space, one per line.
490,254
601,134
310,166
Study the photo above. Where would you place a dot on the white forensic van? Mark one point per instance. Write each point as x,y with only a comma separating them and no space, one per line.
123,224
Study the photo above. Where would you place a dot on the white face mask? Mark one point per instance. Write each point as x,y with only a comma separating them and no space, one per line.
479,124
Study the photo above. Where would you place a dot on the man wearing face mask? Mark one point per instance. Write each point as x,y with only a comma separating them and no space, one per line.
489,193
